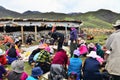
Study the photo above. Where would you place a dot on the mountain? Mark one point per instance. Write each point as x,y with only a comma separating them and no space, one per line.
47,15
5,13
102,18
105,15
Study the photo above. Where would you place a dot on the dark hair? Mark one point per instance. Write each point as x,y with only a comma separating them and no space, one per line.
75,56
73,75
50,33
117,27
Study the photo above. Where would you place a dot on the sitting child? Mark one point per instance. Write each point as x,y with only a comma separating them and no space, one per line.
72,76
36,73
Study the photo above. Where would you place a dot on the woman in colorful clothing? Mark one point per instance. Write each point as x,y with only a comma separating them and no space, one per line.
43,59
12,54
59,66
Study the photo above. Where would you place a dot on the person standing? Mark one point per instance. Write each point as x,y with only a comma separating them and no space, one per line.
57,36
73,39
113,60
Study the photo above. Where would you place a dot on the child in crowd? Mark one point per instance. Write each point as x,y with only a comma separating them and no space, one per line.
3,59
72,76
36,73
2,71
17,72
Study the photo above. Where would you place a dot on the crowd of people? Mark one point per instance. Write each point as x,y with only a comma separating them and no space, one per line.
83,61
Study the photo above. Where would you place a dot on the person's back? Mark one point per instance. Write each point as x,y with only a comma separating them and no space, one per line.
17,72
12,75
60,57
91,67
73,67
113,44
58,66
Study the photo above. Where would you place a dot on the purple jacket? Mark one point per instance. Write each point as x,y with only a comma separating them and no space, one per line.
73,35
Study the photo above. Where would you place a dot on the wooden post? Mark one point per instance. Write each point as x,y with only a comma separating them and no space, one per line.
66,32
22,34
35,33
4,28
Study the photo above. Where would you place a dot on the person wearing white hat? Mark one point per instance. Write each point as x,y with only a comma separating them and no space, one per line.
92,66
113,60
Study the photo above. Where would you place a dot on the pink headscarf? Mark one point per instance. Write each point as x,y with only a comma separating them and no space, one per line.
47,49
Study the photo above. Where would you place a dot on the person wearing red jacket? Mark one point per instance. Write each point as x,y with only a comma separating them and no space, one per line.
3,59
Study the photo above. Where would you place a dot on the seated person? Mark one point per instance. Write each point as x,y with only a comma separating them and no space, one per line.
17,72
2,71
36,74
3,59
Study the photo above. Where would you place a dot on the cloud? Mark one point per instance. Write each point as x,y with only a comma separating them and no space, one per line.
64,6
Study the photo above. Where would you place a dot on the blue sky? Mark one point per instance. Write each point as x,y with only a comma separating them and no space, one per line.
62,6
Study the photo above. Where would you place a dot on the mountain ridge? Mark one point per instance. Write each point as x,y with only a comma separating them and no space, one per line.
91,18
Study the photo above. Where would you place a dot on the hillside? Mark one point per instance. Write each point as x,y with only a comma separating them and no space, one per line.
5,13
96,19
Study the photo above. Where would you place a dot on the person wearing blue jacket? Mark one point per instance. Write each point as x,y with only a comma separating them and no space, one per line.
75,64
